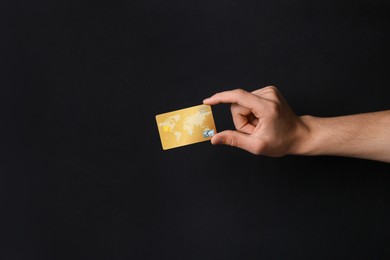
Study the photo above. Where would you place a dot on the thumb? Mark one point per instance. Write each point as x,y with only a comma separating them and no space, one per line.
237,139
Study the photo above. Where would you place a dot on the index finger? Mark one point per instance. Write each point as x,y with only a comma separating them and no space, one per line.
237,96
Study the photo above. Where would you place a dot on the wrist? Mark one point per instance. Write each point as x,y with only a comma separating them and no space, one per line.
304,143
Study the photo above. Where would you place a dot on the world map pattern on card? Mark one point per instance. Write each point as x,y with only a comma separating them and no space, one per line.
186,126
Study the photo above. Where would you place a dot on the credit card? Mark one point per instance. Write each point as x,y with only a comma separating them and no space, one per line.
186,126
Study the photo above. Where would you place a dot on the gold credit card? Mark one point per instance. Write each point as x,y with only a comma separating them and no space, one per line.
186,126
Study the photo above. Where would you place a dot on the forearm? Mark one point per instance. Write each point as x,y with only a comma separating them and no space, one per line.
364,135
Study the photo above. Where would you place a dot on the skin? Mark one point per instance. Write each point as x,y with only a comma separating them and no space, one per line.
266,125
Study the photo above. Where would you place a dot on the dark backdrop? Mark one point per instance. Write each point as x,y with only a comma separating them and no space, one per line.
83,175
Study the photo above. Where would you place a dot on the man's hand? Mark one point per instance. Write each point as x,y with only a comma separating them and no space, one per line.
264,122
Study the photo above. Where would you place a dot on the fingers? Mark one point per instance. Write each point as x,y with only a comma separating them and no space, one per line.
238,96
240,140
242,118
262,119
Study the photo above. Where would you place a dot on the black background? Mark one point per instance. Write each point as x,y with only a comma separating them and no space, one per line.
83,175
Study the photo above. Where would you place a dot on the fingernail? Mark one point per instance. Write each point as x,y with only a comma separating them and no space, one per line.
205,100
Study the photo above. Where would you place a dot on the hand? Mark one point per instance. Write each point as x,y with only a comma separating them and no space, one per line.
264,122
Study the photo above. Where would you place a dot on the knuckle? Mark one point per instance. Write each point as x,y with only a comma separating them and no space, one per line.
271,88
239,92
233,141
272,91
